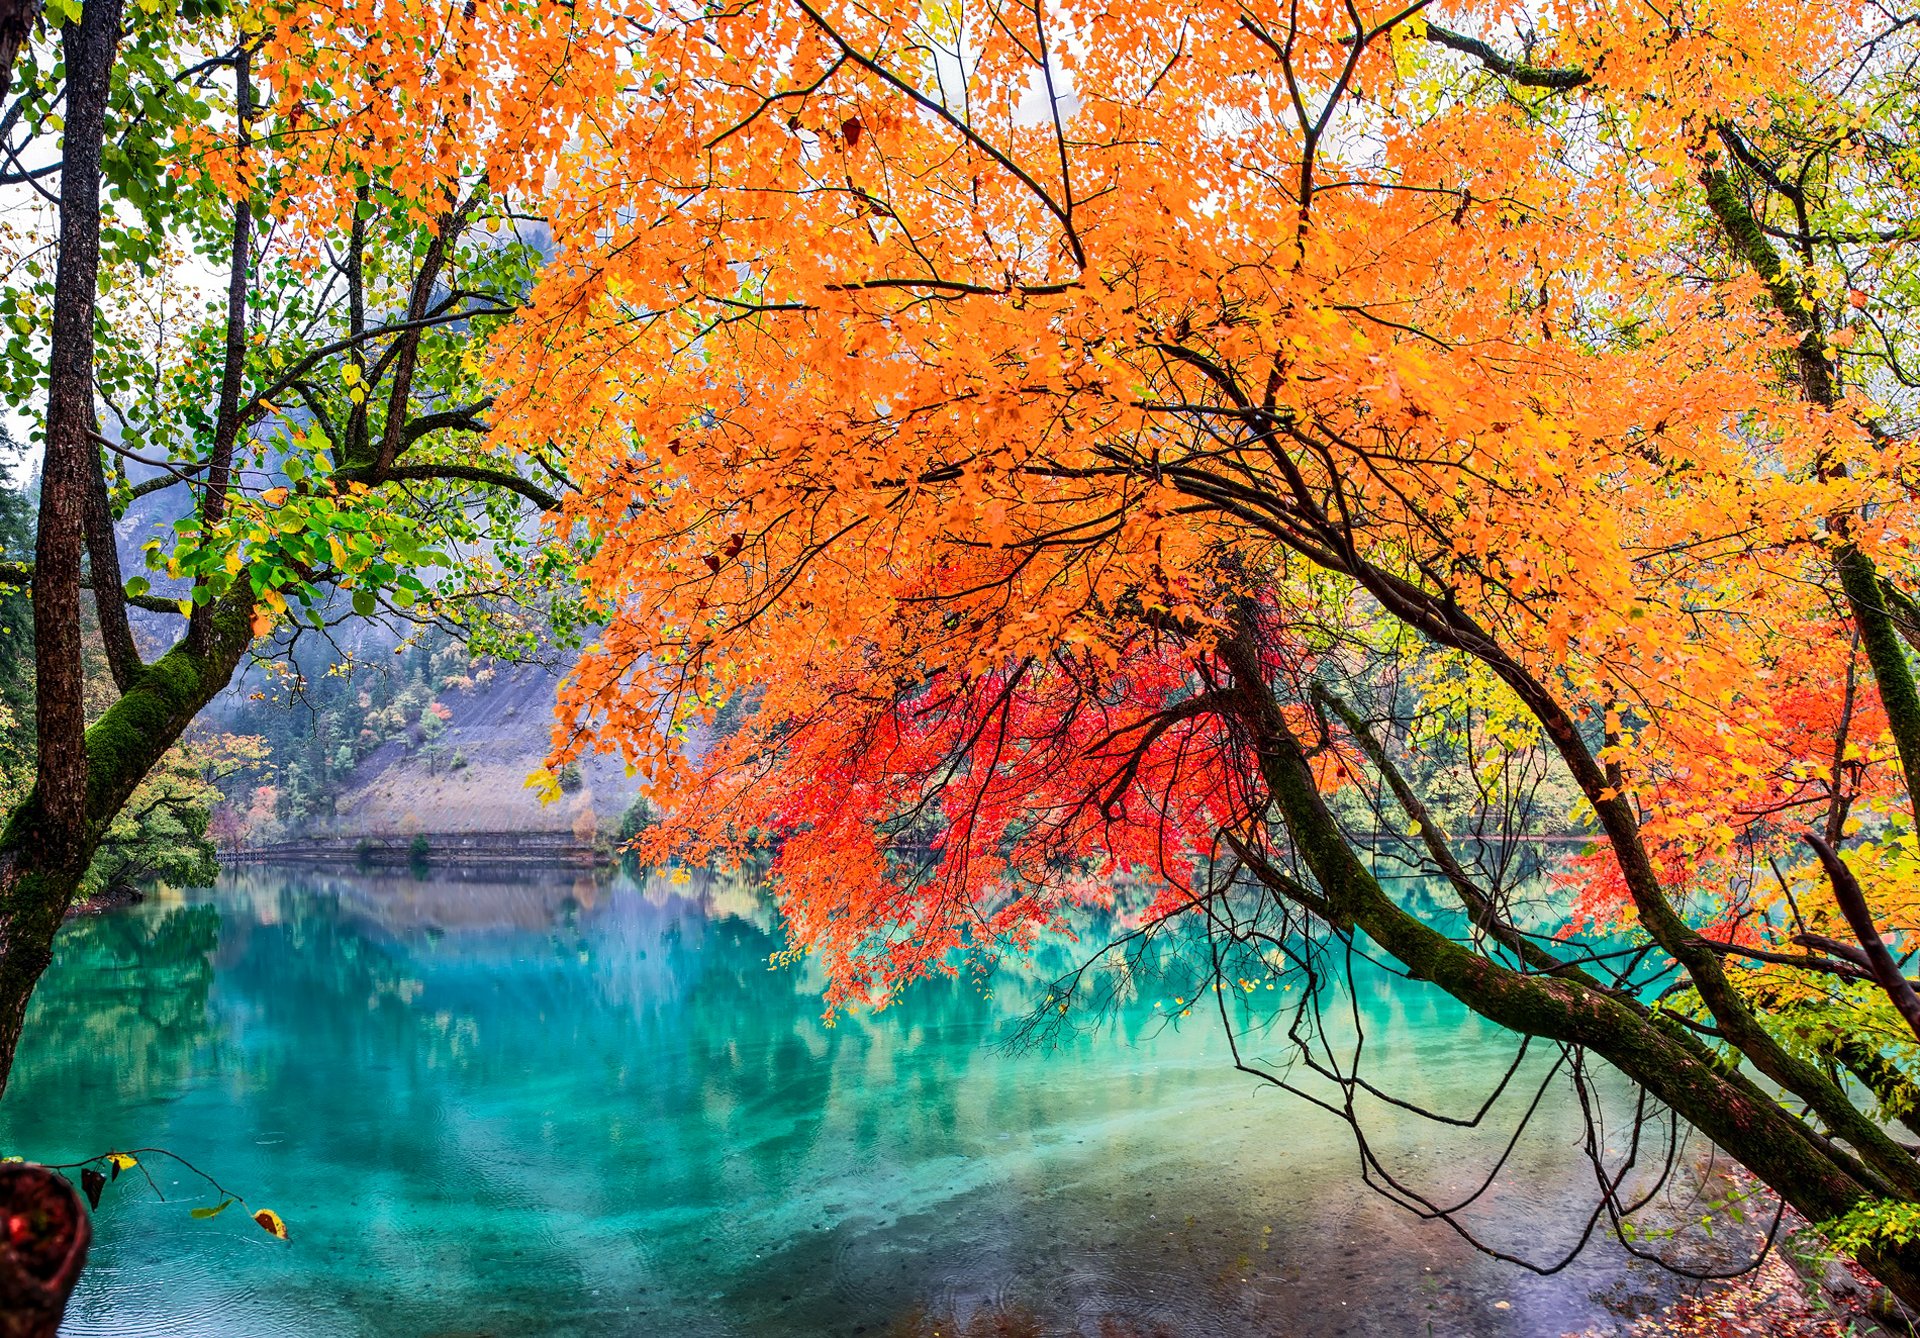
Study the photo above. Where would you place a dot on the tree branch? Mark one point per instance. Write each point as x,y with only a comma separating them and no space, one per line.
401,392
1480,908
1514,71
20,574
464,419
226,429
1853,904
497,478
109,590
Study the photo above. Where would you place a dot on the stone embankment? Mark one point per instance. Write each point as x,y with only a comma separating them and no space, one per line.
492,848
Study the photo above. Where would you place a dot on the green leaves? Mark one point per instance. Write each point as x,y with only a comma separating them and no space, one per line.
1875,1222
205,1213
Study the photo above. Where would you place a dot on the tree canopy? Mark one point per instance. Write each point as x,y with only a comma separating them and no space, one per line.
1101,442
1036,456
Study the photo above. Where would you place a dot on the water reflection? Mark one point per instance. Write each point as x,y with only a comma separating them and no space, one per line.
569,1105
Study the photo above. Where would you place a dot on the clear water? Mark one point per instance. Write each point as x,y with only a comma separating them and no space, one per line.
579,1106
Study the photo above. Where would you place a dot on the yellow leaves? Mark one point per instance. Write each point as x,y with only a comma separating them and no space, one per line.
1407,40
544,784
122,1161
261,621
270,1223
274,496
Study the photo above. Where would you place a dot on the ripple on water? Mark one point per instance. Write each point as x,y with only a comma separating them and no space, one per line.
195,1308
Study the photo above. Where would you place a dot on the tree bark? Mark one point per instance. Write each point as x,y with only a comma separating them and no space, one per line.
89,46
44,852
17,21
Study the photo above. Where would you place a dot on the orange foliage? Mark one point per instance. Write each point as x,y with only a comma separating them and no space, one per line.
934,378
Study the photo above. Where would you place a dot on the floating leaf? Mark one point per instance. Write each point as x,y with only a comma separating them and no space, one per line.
270,1222
91,1183
221,1207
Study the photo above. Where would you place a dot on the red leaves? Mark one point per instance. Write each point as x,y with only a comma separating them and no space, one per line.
728,551
962,814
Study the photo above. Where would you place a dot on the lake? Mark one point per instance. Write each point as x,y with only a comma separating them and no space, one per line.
551,1103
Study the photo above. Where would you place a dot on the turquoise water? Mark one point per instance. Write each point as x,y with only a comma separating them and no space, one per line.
586,1106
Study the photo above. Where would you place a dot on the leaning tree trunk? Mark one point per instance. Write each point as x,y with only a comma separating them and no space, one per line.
1820,1179
39,871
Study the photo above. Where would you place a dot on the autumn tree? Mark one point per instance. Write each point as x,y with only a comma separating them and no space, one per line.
293,444
1092,444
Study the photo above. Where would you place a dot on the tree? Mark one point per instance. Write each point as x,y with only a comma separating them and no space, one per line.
1119,442
303,448
163,830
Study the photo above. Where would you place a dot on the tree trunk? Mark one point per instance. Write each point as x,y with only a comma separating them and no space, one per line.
89,48
46,845
1818,1178
38,875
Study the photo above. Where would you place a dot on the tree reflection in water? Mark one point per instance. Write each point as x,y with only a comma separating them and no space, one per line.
549,1103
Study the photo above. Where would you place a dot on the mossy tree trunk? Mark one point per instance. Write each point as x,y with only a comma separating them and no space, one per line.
1817,1176
43,860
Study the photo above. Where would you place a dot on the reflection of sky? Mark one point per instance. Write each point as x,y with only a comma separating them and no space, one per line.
560,1106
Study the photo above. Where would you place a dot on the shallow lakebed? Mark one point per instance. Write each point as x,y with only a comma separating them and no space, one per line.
551,1103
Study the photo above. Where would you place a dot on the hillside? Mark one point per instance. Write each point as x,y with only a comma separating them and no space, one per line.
417,739
496,734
